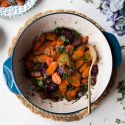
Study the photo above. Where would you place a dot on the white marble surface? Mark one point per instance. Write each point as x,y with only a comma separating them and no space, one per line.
12,111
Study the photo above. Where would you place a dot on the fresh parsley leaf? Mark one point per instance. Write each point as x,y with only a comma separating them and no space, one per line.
82,92
61,49
37,67
56,30
63,38
38,83
75,34
84,89
66,76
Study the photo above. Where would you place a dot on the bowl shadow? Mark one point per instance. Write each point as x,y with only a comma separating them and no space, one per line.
2,39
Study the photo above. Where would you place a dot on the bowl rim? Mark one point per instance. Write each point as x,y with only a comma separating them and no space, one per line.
42,15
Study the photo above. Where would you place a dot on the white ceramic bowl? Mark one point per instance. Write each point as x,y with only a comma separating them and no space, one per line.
48,22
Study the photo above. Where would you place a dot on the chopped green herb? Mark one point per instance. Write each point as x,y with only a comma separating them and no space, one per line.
56,30
87,56
75,34
37,67
82,92
64,59
63,38
59,95
121,90
66,76
46,40
61,49
39,83
84,89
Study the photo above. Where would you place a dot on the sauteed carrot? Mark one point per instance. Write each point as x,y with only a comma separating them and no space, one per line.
59,64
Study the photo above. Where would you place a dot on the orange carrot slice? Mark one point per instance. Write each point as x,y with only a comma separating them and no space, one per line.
41,59
69,48
63,87
52,67
83,67
51,36
49,61
79,63
85,81
75,81
37,45
56,78
71,95
78,53
86,72
42,38
59,42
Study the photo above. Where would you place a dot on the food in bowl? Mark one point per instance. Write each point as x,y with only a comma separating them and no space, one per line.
58,64
7,3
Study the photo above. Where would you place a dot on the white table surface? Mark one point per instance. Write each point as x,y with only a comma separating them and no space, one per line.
13,112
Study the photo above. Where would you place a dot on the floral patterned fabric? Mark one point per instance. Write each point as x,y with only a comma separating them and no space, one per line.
15,10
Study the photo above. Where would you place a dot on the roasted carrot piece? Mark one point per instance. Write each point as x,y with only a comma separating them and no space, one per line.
49,61
85,81
4,4
87,56
79,63
75,81
41,49
52,67
71,95
77,89
52,43
41,59
69,48
78,53
59,42
63,87
51,36
37,45
85,39
86,72
77,74
42,38
83,67
64,59
47,51
56,78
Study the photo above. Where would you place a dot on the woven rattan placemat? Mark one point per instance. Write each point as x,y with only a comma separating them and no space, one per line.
60,117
